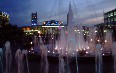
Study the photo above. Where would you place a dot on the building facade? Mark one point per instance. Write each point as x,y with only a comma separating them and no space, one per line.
110,17
34,20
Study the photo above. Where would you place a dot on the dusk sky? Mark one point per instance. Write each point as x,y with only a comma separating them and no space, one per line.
86,12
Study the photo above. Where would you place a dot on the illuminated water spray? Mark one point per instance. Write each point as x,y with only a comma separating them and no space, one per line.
8,55
1,60
44,60
114,55
98,59
21,58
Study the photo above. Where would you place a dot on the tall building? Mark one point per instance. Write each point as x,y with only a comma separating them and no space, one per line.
110,17
34,19
4,18
70,16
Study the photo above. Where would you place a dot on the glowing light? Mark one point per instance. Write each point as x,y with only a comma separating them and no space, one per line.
52,26
60,48
31,42
103,54
52,38
98,40
91,39
29,51
87,47
76,50
105,31
95,31
84,49
73,53
53,52
105,41
31,48
79,32
87,52
39,32
101,48
56,48
84,34
66,53
48,51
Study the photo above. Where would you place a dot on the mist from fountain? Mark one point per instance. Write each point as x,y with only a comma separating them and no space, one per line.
8,55
61,64
108,41
18,61
91,39
44,61
114,55
1,61
25,56
98,59
19,57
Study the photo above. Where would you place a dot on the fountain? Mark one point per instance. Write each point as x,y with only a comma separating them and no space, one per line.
44,60
8,55
1,60
114,55
18,61
98,59
20,56
61,64
25,59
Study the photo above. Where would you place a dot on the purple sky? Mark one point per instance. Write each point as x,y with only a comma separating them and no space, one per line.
86,12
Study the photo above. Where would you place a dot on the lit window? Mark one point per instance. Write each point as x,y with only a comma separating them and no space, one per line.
114,13
114,19
108,15
111,14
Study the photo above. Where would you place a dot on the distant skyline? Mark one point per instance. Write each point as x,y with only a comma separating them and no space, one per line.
86,12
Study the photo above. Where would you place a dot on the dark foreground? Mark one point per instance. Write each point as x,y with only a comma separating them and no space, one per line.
85,65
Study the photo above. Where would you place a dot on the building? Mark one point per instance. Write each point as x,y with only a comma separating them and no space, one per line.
110,22
4,18
70,20
110,17
34,20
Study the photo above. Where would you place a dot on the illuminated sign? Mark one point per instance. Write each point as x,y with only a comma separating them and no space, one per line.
52,23
52,26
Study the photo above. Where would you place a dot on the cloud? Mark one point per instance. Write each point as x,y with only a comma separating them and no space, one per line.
20,10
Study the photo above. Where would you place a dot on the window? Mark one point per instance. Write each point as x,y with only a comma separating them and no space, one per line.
111,14
115,13
115,19
112,19
108,15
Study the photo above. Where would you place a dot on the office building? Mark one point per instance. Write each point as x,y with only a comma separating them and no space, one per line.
110,17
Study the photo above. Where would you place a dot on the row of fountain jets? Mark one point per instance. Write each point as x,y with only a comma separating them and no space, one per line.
21,56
